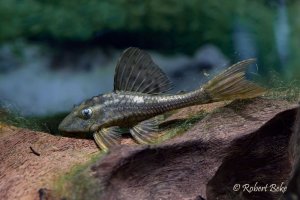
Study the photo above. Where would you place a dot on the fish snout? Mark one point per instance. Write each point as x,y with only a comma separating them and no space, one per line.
74,124
65,125
69,124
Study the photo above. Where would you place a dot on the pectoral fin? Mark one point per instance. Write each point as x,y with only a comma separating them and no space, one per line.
146,131
108,137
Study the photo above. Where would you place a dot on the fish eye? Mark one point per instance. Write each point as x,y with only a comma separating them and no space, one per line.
87,113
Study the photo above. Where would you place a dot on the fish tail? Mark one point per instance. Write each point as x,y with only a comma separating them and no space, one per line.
232,84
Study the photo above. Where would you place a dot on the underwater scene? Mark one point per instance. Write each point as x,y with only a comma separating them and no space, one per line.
149,99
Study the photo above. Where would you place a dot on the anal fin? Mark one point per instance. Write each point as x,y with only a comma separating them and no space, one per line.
145,132
108,137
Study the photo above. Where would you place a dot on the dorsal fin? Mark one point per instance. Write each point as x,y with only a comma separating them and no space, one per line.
136,72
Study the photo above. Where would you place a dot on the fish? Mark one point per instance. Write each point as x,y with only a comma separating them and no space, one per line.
140,99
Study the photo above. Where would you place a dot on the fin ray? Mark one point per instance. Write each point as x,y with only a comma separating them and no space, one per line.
146,131
136,72
232,84
108,137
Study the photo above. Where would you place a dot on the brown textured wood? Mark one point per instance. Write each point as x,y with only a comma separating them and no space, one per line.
23,172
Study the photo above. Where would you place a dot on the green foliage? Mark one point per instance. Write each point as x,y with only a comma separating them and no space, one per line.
47,124
181,126
14,119
172,25
293,69
188,23
282,89
78,182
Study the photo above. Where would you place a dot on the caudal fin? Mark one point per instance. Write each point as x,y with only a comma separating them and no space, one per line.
232,84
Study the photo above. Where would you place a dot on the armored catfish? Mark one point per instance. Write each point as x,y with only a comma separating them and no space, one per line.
138,101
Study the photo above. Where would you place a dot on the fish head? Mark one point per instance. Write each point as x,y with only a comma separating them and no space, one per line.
87,117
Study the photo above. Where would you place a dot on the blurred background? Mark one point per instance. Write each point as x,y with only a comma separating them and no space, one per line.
56,53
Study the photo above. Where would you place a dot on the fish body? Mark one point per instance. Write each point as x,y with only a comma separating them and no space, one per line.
138,101
125,109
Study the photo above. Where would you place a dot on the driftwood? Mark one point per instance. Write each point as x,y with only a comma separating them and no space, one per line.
236,149
33,160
